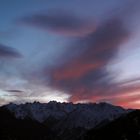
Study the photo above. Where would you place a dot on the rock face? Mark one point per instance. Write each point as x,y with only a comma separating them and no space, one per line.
68,115
57,121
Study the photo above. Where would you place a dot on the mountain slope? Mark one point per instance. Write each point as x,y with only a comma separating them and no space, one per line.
126,127
12,128
57,121
68,115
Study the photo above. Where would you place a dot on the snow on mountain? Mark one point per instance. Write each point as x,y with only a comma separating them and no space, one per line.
69,115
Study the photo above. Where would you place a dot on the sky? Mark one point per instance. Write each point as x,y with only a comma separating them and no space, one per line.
70,51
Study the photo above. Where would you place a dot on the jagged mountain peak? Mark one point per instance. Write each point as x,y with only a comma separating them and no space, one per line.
86,115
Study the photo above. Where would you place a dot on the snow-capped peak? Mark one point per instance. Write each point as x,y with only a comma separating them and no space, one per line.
69,114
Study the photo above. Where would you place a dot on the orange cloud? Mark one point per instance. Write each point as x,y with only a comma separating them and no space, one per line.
75,70
84,76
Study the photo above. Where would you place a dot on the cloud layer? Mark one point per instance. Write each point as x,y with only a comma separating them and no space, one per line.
61,22
6,51
85,75
69,52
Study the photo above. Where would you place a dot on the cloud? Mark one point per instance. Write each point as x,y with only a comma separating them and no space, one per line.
2,101
85,75
6,52
61,22
14,90
80,74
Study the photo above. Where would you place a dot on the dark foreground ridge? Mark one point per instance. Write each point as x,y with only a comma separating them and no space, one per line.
12,128
67,121
123,128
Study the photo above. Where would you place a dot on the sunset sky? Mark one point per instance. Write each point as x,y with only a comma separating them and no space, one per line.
70,51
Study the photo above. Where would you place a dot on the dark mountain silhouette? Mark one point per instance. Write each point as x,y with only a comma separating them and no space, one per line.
126,127
12,127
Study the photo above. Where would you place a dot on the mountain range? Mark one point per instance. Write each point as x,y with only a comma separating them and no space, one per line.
68,121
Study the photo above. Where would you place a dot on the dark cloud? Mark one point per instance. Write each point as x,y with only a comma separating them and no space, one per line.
15,91
61,22
6,51
85,75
